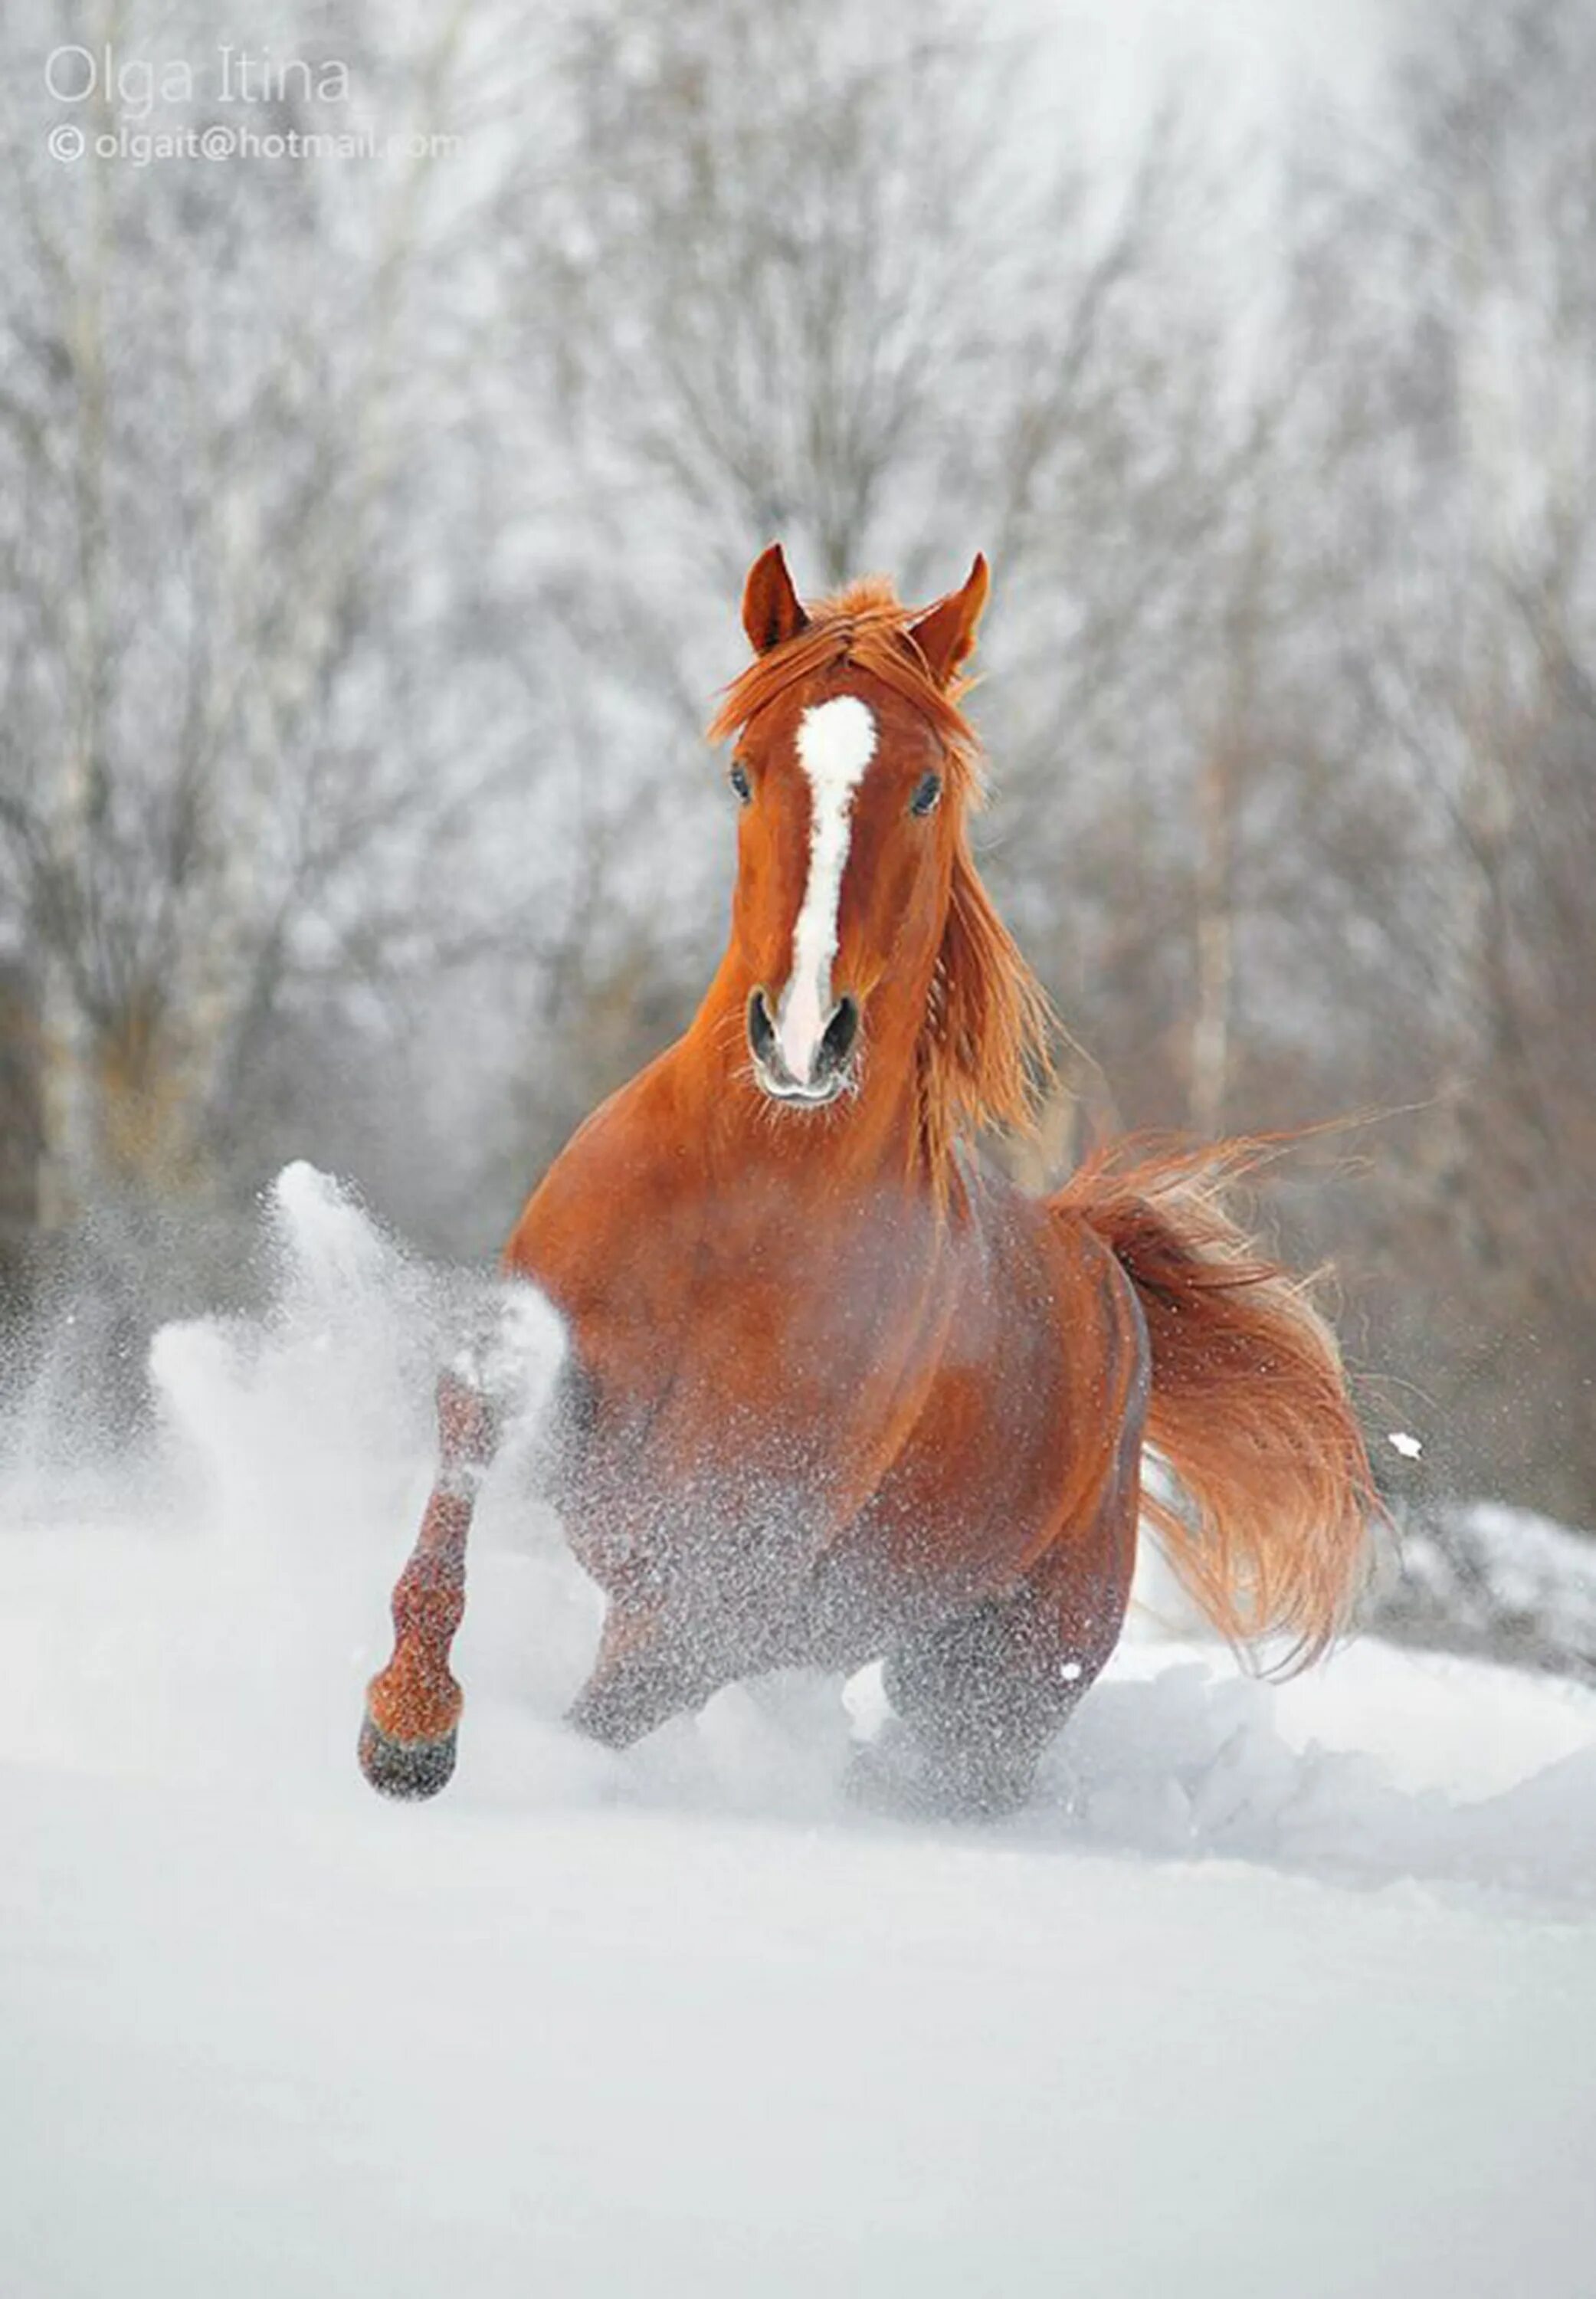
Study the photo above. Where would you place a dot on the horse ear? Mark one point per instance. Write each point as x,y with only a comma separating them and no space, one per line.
945,633
771,611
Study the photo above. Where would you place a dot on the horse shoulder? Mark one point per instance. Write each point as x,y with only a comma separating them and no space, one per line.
612,1192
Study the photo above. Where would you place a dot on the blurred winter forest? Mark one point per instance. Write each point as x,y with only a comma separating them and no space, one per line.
371,532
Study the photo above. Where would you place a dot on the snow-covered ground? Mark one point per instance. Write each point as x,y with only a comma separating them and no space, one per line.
1274,1989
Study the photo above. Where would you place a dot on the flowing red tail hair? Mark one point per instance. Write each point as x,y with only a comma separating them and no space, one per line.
1249,1403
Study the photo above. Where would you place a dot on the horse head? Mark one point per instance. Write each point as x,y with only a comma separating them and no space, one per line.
861,936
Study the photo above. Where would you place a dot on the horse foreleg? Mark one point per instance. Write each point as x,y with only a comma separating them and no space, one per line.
412,1708
643,1675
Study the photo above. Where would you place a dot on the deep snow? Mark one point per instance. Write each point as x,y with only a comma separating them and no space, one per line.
1273,1989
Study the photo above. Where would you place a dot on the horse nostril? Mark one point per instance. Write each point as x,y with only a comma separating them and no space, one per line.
840,1032
762,1030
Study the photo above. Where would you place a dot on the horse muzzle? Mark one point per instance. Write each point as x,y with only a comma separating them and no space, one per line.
831,1071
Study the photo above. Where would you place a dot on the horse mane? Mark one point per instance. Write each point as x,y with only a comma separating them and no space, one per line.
982,1058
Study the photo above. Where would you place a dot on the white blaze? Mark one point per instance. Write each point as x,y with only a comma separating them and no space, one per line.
836,742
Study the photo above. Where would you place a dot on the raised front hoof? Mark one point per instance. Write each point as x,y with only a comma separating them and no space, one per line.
408,1770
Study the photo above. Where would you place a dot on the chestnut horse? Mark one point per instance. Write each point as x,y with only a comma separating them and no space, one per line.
834,1391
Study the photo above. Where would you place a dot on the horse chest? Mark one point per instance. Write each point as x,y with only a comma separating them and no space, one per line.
771,1409
759,1362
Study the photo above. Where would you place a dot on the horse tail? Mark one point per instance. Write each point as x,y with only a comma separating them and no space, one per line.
1270,1532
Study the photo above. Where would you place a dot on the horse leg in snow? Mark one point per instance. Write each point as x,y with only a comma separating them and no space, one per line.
644,1674
413,1707
982,1694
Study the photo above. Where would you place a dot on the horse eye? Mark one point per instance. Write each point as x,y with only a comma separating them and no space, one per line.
739,780
927,793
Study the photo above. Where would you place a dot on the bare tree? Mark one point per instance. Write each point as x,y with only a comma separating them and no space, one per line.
1448,294
232,771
